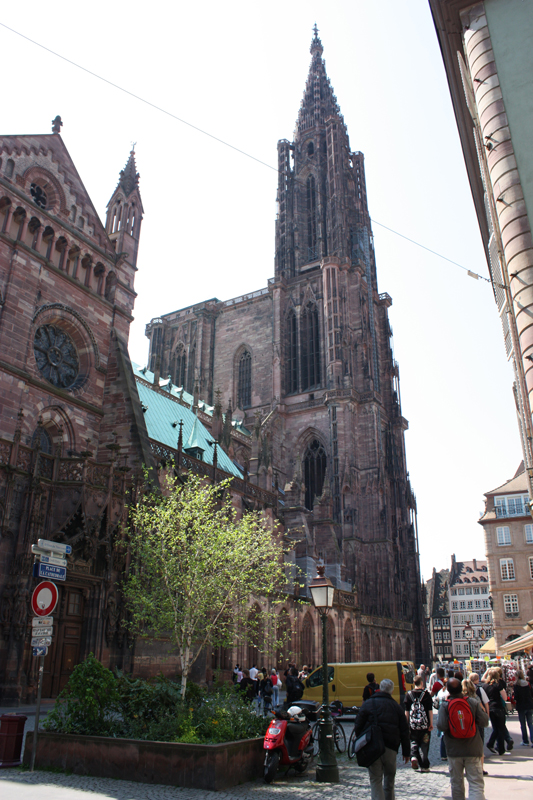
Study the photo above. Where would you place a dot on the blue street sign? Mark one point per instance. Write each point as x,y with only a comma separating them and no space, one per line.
51,572
40,651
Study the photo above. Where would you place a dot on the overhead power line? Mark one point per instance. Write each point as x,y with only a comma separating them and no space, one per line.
472,274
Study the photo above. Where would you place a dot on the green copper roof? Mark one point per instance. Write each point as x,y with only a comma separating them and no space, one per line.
163,414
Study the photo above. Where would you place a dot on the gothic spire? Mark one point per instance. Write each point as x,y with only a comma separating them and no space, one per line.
129,177
319,101
125,212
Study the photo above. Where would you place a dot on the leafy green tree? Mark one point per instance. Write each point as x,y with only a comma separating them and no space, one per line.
195,567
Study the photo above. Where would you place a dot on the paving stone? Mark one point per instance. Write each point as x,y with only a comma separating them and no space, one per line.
354,783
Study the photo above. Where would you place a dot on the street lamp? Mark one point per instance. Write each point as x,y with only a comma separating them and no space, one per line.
469,633
327,771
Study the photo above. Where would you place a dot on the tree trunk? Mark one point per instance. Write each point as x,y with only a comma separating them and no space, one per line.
184,671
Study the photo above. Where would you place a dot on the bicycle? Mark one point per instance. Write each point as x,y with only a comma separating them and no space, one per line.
339,737
351,744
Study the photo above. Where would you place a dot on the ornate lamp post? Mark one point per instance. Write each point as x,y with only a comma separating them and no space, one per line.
327,771
469,633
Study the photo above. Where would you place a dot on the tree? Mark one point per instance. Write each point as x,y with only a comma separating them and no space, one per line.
195,566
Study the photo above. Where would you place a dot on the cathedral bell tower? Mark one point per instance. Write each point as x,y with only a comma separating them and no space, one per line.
322,206
125,212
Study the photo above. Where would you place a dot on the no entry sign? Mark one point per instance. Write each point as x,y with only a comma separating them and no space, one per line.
44,598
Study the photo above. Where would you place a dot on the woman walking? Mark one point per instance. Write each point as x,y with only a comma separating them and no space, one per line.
523,694
276,682
497,698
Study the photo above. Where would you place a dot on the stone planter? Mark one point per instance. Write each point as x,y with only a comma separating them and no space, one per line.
195,766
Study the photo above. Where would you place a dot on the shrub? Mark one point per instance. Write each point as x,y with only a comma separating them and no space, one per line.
96,702
89,703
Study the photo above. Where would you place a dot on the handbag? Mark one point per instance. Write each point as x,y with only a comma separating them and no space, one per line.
369,746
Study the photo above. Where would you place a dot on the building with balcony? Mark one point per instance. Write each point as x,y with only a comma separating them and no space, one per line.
438,616
508,529
470,607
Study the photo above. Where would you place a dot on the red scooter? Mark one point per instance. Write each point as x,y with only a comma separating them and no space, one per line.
288,741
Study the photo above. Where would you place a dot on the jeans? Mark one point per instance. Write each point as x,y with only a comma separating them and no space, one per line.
473,769
497,720
275,696
526,721
381,774
420,746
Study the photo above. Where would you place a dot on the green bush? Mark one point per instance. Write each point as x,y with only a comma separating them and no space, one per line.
89,703
96,702
226,716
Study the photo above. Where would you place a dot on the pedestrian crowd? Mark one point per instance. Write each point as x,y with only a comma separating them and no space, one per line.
463,708
262,687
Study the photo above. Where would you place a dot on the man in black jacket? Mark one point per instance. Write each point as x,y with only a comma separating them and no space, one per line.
383,710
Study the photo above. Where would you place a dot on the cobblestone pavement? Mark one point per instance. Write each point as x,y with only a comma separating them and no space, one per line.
40,785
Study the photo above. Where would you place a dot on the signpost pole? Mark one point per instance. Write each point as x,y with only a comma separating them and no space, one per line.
37,713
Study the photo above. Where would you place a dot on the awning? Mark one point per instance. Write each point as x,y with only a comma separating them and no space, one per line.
489,646
517,644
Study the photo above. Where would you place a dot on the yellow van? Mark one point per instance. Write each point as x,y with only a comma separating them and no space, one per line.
347,681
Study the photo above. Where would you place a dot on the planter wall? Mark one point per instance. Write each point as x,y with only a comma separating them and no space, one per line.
196,766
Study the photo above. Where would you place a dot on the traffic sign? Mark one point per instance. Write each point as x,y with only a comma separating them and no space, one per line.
39,551
57,562
41,641
50,571
46,544
40,651
43,631
44,598
42,622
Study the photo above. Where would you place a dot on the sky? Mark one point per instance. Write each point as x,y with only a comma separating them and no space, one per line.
237,71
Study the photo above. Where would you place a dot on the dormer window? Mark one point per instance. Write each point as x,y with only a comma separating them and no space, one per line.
38,194
516,506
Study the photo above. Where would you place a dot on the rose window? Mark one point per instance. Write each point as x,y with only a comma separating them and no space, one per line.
38,194
56,356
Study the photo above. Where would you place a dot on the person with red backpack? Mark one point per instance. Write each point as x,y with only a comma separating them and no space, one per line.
459,719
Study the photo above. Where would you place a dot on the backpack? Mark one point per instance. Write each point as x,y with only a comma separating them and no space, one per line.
369,745
297,689
461,719
267,688
418,719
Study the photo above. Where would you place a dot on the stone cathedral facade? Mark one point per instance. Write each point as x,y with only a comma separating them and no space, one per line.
306,366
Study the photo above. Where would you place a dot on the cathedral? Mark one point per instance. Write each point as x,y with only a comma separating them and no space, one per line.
305,364
291,391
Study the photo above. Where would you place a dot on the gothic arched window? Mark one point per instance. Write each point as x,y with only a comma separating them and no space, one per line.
41,439
314,472
310,348
244,386
157,346
330,637
348,642
292,353
312,252
180,369
190,377
307,645
283,635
